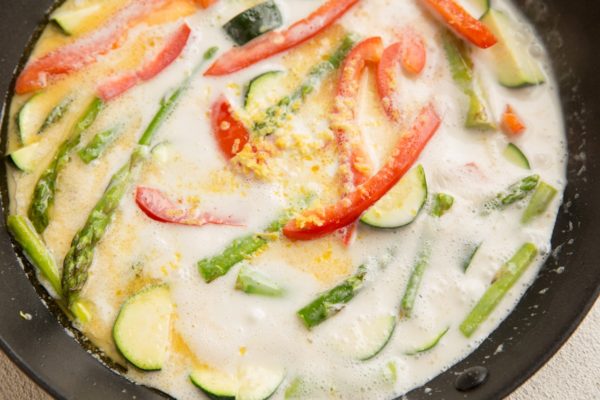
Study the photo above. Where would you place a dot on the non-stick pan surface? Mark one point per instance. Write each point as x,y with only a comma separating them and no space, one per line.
549,312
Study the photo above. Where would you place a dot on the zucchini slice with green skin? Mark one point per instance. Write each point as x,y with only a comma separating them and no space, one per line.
252,281
33,117
367,338
401,205
26,157
253,22
263,91
430,345
514,154
250,383
472,250
71,21
141,331
515,66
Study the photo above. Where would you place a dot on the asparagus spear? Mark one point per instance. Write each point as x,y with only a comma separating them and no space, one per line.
461,65
43,194
541,199
98,144
506,277
277,114
56,114
410,294
515,192
80,255
442,202
252,281
332,301
35,249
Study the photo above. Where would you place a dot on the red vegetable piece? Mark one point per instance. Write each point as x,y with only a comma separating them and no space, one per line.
319,222
462,22
511,123
170,51
230,133
38,73
275,42
412,54
160,208
205,3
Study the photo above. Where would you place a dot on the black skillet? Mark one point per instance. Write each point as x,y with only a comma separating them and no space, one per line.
546,316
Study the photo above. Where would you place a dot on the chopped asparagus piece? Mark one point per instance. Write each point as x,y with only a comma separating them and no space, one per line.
99,143
410,294
442,202
541,199
515,192
506,277
252,281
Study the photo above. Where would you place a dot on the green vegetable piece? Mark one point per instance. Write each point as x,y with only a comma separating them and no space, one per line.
515,192
81,311
81,254
513,154
541,199
26,157
45,189
442,202
506,277
56,114
414,282
252,281
277,114
35,249
99,143
474,248
391,372
430,345
254,22
29,118
294,389
331,302
461,66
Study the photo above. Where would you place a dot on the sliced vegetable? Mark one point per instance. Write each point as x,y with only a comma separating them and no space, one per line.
71,21
412,51
156,205
229,131
26,158
514,64
260,89
429,345
279,112
205,3
511,123
252,281
331,302
254,22
515,192
275,42
250,383
81,253
141,331
461,66
44,191
319,222
368,337
541,199
165,57
472,250
414,282
462,22
33,118
34,248
402,204
477,8
513,154
81,311
38,73
294,389
506,277
442,202
99,143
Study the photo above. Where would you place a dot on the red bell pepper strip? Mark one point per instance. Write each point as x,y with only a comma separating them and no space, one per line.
170,51
412,51
511,123
205,3
160,208
84,51
462,22
275,42
319,222
229,131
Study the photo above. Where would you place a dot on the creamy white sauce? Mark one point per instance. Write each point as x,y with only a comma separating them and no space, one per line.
216,321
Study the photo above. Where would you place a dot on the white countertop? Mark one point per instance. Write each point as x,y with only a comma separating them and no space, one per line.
572,374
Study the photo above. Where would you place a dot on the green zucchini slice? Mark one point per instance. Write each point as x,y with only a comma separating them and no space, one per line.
38,114
253,22
514,154
252,281
401,205
368,337
263,91
26,157
70,21
141,331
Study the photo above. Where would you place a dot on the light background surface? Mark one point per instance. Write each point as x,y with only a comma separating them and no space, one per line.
572,374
